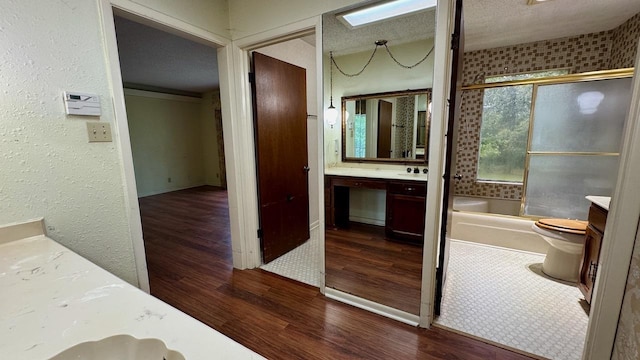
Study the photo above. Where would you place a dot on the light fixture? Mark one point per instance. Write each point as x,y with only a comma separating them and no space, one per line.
590,101
331,113
534,2
386,10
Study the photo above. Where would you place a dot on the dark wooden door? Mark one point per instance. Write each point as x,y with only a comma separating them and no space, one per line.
280,122
455,97
385,109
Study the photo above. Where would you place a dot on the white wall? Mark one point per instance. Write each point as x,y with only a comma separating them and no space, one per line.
48,167
167,135
249,17
300,53
382,75
210,15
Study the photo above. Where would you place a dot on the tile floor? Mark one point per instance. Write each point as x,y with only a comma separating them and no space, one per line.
301,264
502,295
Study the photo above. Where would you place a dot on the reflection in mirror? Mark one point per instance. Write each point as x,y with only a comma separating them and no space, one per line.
386,126
373,241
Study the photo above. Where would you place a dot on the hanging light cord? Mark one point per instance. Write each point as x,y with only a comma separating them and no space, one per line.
378,44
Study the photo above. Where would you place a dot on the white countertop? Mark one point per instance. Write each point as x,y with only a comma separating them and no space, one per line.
377,173
52,299
602,201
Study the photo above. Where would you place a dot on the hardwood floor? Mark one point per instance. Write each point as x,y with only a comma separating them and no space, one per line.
361,261
188,250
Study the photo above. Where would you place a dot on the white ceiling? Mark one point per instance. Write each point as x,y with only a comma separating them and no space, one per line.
495,23
157,59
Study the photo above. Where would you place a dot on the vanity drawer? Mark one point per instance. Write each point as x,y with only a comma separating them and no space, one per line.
597,217
354,182
408,188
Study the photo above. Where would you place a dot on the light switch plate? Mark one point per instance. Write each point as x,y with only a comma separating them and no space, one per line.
99,131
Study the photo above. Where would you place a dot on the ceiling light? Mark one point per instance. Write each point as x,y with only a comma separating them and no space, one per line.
534,2
383,11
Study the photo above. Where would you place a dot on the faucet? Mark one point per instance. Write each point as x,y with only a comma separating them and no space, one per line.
416,170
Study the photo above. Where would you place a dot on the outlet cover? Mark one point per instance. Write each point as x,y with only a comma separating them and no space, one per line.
99,131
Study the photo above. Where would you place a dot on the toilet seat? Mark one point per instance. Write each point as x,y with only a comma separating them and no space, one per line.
577,227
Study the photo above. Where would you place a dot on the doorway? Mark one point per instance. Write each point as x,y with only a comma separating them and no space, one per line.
173,107
302,262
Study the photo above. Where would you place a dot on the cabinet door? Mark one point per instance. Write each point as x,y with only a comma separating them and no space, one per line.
589,267
405,217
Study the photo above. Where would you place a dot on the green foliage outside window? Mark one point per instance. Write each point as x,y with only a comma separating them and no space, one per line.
505,128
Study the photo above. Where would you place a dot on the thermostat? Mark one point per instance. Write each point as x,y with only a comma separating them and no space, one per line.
76,103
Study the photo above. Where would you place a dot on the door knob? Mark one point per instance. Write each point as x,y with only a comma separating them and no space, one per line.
306,168
289,197
457,176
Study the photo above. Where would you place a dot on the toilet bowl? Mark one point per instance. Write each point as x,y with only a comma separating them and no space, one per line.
566,241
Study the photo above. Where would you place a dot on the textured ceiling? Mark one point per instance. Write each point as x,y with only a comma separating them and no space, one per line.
488,24
495,23
157,59
341,40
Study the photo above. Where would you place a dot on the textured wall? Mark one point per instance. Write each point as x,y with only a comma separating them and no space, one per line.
625,43
627,343
48,167
582,53
167,141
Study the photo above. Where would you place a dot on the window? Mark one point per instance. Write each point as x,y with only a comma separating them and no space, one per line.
505,127
360,129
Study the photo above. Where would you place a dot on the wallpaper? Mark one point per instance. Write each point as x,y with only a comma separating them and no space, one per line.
405,108
625,43
589,52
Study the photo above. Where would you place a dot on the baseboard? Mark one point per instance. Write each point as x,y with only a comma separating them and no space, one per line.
366,220
373,307
158,192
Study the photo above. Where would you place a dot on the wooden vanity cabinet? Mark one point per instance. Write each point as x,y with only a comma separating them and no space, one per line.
591,252
405,211
405,208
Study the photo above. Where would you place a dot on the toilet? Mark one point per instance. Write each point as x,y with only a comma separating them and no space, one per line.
566,241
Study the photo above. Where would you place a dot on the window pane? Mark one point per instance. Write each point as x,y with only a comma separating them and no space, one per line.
557,185
504,133
581,117
360,130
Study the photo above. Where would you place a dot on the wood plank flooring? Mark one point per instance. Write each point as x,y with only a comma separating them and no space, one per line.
188,251
362,262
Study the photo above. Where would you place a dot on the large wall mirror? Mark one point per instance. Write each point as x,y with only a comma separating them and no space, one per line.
387,126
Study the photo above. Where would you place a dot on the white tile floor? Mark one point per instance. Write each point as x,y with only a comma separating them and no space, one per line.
501,295
301,264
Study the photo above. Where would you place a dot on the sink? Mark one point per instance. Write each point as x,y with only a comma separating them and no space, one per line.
120,347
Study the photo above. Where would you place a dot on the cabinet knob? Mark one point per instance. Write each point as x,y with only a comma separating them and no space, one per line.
409,189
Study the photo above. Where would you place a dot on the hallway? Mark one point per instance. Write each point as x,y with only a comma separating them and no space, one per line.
188,247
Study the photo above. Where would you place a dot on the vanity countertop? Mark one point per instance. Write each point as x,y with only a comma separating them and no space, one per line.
602,201
376,173
53,299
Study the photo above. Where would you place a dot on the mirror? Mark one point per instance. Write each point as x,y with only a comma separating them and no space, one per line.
386,126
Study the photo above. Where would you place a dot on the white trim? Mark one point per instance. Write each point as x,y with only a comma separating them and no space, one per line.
320,130
369,221
374,307
239,136
441,76
147,16
121,128
163,96
618,241
123,143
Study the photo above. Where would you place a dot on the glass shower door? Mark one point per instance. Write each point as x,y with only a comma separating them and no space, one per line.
574,145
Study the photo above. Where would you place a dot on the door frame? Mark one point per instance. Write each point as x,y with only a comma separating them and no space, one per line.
624,213
156,19
235,89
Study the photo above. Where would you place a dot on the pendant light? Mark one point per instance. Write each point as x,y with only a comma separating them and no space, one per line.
331,113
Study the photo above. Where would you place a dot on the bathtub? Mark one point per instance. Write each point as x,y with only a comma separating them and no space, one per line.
470,223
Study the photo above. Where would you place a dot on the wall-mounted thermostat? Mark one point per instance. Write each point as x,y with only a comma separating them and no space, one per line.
76,103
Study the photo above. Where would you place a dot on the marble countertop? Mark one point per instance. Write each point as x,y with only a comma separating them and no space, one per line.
602,201
52,299
399,174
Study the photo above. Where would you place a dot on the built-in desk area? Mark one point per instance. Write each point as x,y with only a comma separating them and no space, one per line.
405,199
